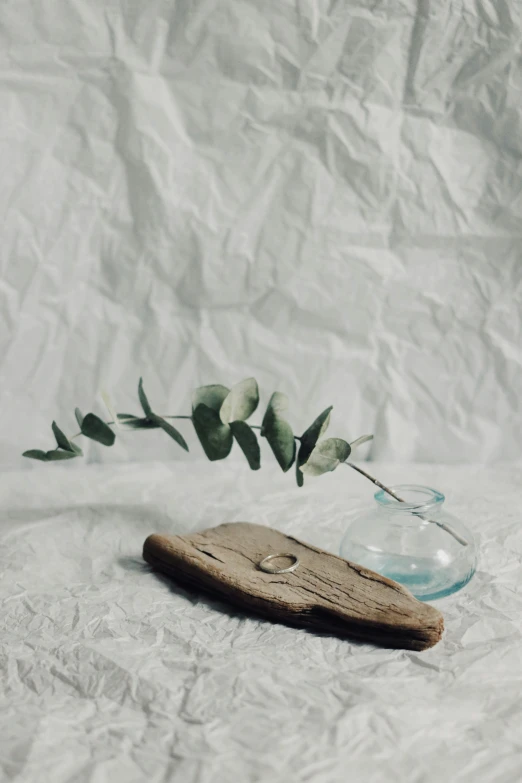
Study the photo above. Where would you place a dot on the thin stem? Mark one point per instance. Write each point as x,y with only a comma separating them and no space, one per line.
257,427
375,481
130,418
164,416
137,418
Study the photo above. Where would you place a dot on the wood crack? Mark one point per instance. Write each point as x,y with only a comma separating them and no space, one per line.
206,552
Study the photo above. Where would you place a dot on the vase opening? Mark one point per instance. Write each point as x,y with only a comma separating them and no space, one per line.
416,498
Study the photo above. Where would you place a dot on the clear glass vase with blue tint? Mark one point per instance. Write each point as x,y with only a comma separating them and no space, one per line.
415,542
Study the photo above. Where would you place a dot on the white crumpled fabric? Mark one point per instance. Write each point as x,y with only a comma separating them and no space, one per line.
112,674
323,195
326,195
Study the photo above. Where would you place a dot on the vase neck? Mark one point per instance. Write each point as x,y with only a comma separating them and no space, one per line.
417,499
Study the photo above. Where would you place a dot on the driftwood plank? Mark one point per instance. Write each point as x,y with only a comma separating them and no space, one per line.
325,592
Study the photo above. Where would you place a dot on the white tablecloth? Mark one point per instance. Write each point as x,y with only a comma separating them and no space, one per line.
112,673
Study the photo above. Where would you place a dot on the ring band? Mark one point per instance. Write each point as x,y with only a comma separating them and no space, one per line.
263,567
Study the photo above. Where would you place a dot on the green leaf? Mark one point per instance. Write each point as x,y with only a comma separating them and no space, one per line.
147,410
308,440
281,439
61,439
64,443
310,437
109,406
326,456
277,405
36,454
360,441
52,456
96,429
248,443
215,437
79,417
212,396
241,401
170,430
136,423
278,432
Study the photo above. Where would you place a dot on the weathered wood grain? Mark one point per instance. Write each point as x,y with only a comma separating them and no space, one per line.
325,593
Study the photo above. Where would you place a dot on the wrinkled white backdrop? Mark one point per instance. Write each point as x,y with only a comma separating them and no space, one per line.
325,195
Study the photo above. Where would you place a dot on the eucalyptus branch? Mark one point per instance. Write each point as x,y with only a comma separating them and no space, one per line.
219,417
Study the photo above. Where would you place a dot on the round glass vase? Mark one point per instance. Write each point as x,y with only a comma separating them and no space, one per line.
415,542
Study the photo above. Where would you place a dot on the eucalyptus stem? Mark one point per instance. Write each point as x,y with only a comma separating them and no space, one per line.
375,481
164,416
130,418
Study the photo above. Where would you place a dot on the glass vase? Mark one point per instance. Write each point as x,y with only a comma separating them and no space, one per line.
415,542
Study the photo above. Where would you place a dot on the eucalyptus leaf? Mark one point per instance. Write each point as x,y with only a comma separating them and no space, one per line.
53,456
308,440
310,437
277,405
135,423
360,441
36,454
110,407
248,443
50,456
212,396
170,430
147,410
96,429
215,437
240,402
79,417
326,456
278,432
62,440
279,435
